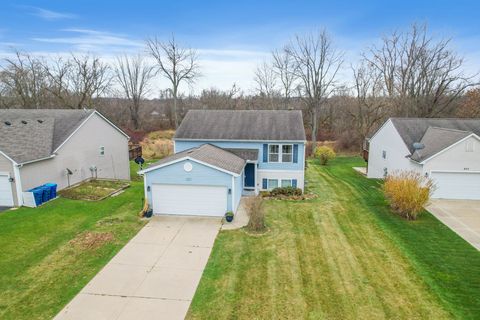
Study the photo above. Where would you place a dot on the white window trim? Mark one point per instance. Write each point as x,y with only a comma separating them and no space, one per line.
268,183
280,152
279,183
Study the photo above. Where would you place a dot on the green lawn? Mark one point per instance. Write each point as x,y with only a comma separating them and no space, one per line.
342,255
48,254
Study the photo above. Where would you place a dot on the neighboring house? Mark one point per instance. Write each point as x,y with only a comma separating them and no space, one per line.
42,145
221,155
446,150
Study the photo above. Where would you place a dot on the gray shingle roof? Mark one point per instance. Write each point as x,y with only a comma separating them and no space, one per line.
437,139
43,132
263,125
413,129
210,154
246,154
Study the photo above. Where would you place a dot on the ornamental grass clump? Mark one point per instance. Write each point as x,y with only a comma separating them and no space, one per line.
324,154
408,192
256,213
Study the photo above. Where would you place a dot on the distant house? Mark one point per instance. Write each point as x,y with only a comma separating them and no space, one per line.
221,155
58,146
446,150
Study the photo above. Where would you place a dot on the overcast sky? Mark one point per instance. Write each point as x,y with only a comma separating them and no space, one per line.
232,37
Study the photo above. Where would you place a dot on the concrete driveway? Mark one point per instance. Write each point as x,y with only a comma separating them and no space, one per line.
462,216
153,277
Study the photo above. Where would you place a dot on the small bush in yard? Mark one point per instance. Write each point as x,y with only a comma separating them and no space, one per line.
408,192
254,206
286,191
324,154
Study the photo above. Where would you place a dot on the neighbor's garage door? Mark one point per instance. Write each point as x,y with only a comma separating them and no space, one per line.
6,196
189,200
456,185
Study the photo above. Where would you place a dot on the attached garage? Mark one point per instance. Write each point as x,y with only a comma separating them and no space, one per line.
6,194
456,185
189,199
202,181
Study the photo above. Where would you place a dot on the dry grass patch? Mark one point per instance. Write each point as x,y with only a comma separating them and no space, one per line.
157,144
91,240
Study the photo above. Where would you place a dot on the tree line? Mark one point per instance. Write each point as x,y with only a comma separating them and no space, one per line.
406,74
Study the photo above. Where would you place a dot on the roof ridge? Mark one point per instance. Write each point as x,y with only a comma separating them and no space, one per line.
448,129
421,118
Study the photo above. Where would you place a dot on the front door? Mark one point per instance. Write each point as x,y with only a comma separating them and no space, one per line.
250,175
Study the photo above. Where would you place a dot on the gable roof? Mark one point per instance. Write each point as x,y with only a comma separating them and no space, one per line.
437,139
34,134
257,125
206,153
412,130
246,154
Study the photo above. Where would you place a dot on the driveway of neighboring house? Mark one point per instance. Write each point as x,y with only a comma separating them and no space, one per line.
153,277
462,216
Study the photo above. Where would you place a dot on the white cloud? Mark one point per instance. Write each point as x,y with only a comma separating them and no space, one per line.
93,40
49,14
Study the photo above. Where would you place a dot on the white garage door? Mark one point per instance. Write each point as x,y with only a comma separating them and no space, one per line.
6,196
456,185
189,200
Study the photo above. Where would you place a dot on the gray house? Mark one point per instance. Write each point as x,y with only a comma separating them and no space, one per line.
58,146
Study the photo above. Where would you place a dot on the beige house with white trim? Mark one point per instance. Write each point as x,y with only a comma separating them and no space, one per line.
57,146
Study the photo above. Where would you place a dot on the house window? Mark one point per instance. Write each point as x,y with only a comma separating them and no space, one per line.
102,151
469,146
280,153
286,183
385,172
272,184
384,154
273,153
287,153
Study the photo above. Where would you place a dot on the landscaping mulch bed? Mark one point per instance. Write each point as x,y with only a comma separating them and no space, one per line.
94,190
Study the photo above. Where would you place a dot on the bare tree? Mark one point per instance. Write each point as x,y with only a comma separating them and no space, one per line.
134,75
175,63
78,80
284,69
266,80
24,80
421,75
370,106
219,99
316,64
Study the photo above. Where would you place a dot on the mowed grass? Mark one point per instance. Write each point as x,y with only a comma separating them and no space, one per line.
48,254
343,255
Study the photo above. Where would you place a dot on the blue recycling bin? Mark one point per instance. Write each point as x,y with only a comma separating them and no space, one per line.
46,193
53,189
37,195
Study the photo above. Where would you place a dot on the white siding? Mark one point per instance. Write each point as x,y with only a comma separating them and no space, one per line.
387,139
280,174
6,166
80,153
456,158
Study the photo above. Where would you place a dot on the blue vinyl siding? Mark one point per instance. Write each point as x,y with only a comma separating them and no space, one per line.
200,175
183,145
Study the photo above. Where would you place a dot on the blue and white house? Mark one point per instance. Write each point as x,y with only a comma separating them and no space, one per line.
221,155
